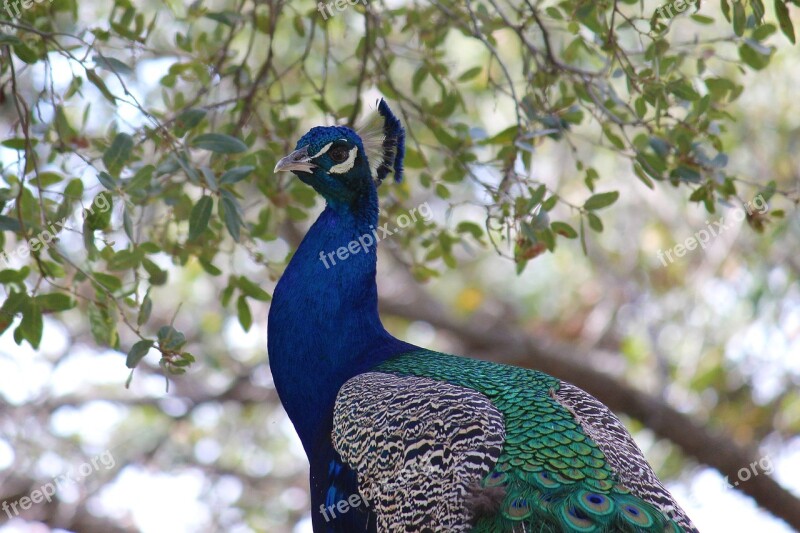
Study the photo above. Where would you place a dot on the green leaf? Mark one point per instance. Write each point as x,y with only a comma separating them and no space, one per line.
231,215
200,216
123,260
32,325
88,240
236,175
54,302
11,306
127,223
185,360
209,267
659,146
145,309
683,89
227,294
418,78
137,352
219,143
229,18
643,177
763,31
594,222
554,13
641,107
140,180
157,276
252,290
444,137
702,19
562,228
414,159
47,179
591,177
550,203
9,224
96,216
210,178
106,180
686,174
474,72
103,325
74,189
536,197
118,153
470,227
9,39
243,310
18,143
506,136
739,18
26,54
752,57
615,139
14,276
170,339
112,283
758,11
785,22
98,82
601,200
112,64
188,120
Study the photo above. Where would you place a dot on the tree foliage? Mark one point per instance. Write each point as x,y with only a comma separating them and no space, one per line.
138,146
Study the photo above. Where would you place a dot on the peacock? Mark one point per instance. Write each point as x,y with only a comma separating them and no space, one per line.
404,439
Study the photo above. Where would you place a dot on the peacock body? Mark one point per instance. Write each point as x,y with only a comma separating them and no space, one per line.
404,439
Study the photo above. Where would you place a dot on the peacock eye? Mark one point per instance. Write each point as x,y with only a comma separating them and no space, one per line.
339,154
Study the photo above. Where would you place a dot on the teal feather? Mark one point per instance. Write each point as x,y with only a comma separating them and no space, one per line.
554,475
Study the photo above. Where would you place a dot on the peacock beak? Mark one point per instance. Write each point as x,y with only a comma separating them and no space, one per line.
297,160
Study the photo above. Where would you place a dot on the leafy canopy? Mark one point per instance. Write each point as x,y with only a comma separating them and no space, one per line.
173,119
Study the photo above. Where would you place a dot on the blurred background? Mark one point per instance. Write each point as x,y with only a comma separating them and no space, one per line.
612,189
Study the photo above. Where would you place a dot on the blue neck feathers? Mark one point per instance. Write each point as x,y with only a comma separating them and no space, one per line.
323,324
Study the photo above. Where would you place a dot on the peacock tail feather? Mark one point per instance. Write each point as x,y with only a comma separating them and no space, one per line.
551,475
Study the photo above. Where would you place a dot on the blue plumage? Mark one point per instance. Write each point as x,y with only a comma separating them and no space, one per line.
324,326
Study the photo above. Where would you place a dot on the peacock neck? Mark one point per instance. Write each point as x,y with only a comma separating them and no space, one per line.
323,325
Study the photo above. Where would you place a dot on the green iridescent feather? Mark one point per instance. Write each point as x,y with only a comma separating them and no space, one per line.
555,477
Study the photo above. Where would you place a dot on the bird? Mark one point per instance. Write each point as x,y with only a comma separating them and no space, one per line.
404,439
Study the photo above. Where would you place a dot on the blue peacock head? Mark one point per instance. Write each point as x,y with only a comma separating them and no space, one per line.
343,165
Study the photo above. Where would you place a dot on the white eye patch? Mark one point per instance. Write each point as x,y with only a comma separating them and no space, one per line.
324,149
347,164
